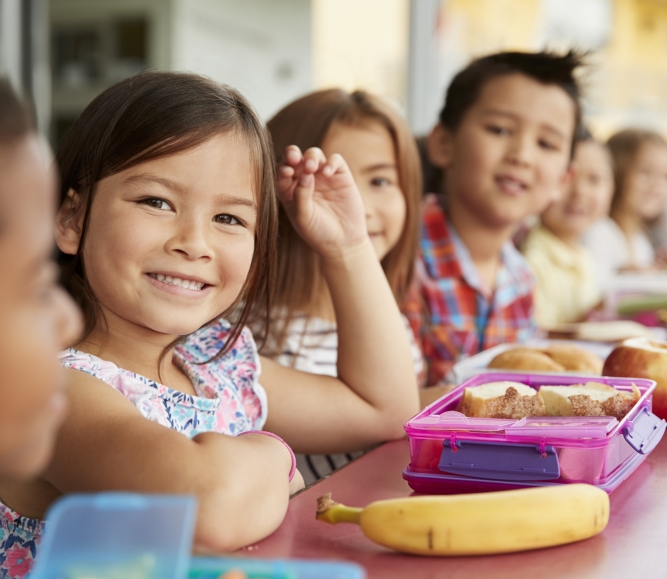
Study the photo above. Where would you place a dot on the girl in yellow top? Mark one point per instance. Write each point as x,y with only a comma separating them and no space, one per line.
567,287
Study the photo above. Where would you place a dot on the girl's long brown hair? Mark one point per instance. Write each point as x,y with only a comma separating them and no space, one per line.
305,123
153,115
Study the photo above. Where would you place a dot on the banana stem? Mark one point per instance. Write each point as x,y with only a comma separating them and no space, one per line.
332,512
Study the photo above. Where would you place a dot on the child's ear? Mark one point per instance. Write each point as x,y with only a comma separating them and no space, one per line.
439,146
69,221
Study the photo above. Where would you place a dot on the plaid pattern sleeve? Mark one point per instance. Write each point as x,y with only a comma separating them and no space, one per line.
449,312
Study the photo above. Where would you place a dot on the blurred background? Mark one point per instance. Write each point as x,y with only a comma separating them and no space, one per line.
61,53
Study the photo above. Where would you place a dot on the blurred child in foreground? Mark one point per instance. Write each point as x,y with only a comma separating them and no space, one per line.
567,286
504,140
36,317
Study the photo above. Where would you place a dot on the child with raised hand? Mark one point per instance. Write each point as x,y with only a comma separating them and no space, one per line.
380,150
504,141
621,242
567,286
37,318
167,221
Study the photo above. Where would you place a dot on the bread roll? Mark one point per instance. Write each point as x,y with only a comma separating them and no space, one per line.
555,358
575,359
525,359
501,400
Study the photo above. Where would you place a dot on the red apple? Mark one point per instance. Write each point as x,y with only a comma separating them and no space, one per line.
642,358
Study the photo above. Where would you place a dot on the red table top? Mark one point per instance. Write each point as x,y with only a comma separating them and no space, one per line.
634,544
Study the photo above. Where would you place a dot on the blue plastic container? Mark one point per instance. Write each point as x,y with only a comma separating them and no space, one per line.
117,536
213,567
134,536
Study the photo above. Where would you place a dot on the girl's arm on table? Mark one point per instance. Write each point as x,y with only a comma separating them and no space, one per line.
105,444
376,388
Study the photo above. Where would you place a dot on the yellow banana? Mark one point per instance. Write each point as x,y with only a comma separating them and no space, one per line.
478,524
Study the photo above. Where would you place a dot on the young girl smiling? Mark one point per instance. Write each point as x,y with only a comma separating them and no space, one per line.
168,220
381,152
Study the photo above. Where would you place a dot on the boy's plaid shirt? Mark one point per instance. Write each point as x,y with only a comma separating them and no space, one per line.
450,314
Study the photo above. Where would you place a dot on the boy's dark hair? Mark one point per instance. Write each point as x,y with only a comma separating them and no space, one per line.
544,67
16,121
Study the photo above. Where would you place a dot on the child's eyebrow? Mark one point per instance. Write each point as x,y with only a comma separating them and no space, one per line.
177,187
146,178
378,166
513,116
223,199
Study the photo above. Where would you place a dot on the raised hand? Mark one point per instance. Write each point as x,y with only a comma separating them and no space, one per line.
322,200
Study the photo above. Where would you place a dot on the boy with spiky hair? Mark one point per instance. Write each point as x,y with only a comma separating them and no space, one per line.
504,142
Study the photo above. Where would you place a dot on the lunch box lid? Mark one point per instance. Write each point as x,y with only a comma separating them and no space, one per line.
117,536
438,420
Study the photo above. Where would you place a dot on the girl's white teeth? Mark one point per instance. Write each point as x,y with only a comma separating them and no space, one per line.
511,183
193,285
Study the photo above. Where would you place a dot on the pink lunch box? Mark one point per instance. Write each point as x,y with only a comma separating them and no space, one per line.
450,453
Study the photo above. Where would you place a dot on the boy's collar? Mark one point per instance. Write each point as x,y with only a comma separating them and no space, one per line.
466,264
511,279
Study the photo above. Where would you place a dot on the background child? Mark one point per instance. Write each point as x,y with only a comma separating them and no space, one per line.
167,221
37,318
567,286
379,149
621,242
504,141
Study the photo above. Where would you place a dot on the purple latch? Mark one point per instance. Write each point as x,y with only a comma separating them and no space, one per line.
645,431
495,460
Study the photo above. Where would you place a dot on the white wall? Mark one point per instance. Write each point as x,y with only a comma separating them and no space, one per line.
10,41
260,47
362,44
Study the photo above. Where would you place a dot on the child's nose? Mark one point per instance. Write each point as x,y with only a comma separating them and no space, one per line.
69,321
521,149
367,200
190,240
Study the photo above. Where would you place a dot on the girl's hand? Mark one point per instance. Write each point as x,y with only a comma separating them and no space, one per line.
322,201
